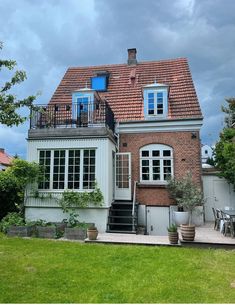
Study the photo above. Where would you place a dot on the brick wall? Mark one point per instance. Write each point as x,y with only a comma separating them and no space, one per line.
186,157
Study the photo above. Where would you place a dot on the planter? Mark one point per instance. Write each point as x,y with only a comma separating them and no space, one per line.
187,232
20,231
173,237
180,217
141,230
48,232
75,233
92,234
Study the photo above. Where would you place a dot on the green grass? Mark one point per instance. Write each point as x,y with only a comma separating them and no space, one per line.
45,271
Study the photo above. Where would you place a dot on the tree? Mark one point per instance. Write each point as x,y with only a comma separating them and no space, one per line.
13,182
225,148
9,104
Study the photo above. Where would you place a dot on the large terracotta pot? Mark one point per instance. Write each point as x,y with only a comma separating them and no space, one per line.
187,232
92,234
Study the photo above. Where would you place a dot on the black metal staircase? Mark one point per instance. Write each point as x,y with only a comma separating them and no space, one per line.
121,218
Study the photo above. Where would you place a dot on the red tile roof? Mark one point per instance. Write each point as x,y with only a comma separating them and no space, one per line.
125,88
5,159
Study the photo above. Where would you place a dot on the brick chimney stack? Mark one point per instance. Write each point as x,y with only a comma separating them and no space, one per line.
132,56
2,150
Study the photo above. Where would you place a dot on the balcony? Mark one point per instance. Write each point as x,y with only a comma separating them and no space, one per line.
95,115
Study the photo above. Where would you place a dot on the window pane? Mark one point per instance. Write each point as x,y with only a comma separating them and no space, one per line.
156,153
145,176
145,153
145,162
151,112
166,153
89,169
150,95
74,169
59,169
45,161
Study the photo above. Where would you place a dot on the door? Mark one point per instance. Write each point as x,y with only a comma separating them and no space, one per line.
123,176
157,220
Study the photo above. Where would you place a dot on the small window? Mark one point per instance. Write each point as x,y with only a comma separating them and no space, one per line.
99,83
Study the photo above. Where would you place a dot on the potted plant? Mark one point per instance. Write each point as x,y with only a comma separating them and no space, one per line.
173,234
190,198
176,190
92,233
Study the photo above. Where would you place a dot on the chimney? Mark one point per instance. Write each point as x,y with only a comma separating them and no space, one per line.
132,56
2,150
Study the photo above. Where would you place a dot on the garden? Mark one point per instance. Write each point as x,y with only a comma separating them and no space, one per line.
53,271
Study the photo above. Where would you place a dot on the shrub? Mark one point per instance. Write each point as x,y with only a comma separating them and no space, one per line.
11,219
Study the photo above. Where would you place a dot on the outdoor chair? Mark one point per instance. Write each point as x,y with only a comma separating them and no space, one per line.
217,219
228,226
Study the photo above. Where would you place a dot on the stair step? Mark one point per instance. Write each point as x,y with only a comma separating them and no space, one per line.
121,231
123,224
123,216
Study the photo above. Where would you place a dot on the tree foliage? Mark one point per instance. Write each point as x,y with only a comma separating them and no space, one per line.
9,104
225,148
13,182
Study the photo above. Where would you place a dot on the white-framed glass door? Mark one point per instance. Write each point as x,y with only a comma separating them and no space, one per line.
123,176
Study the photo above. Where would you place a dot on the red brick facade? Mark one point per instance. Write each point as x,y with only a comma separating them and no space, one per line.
186,157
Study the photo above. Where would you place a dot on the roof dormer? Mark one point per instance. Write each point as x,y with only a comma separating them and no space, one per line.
155,101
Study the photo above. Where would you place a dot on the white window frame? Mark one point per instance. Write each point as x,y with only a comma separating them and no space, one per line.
155,89
81,181
161,158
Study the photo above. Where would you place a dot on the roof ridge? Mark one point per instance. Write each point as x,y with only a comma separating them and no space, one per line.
125,64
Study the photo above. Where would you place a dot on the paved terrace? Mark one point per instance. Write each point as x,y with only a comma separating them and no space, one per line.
206,236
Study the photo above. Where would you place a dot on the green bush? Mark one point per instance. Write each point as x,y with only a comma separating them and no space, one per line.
11,219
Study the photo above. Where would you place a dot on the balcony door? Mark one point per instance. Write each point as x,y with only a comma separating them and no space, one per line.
123,176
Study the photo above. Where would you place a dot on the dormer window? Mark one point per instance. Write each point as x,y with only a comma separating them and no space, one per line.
99,83
155,101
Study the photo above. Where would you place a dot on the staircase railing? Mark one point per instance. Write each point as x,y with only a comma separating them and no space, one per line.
133,205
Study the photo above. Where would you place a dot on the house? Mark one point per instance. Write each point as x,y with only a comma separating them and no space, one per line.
127,127
206,152
5,159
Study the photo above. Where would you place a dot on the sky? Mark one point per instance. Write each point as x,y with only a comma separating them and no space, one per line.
46,37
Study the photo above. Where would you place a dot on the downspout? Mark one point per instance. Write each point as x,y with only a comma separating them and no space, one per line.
116,134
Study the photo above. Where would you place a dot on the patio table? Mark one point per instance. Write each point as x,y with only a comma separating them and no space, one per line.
231,213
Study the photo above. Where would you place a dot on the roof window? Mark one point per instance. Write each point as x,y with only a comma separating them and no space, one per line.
100,81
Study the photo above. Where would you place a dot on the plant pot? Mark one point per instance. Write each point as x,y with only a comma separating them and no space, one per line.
141,230
48,232
92,234
75,233
173,237
187,232
20,231
181,217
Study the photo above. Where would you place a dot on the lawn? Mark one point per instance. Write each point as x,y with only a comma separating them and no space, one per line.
47,271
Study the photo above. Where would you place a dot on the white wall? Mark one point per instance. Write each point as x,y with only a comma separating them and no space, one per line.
104,174
218,194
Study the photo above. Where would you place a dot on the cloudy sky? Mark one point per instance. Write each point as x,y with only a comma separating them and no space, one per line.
46,37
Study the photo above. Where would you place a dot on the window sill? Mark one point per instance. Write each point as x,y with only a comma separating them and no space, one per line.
152,185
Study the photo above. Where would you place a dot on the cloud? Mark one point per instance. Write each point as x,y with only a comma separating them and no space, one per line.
46,37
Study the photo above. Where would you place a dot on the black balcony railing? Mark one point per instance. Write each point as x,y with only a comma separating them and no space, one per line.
72,116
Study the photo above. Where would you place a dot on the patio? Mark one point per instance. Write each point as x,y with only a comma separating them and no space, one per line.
206,236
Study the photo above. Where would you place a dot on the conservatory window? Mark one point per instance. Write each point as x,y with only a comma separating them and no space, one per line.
68,169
